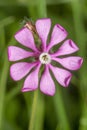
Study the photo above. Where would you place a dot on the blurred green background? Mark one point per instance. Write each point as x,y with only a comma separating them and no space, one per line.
67,110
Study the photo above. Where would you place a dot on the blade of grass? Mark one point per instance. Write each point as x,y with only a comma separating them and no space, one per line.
2,39
6,21
2,45
83,119
41,8
16,90
3,77
60,110
32,10
3,81
81,39
38,11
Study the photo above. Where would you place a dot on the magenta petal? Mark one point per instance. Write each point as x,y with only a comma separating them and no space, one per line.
68,47
62,76
71,62
21,69
31,82
43,28
58,35
47,85
16,53
25,37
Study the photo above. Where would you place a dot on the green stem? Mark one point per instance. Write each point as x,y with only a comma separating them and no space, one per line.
34,105
40,113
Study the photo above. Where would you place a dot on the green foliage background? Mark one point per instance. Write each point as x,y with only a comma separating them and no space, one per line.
67,110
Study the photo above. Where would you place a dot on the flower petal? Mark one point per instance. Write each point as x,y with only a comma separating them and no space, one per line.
68,47
25,37
71,63
58,35
43,28
31,82
16,53
21,69
61,75
47,85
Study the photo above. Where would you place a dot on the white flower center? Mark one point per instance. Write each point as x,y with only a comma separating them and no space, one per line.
45,58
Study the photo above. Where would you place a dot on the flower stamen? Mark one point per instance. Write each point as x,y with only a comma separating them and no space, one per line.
45,58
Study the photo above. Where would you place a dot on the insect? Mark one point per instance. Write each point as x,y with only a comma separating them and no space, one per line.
30,25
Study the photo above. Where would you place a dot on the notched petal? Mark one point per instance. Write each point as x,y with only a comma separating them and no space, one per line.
67,80
58,35
31,82
43,28
68,47
47,85
17,53
62,76
71,62
25,37
20,70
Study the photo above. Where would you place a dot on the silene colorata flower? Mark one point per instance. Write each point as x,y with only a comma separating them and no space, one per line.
42,57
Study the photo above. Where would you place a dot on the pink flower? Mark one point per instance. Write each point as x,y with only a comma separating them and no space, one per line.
43,56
